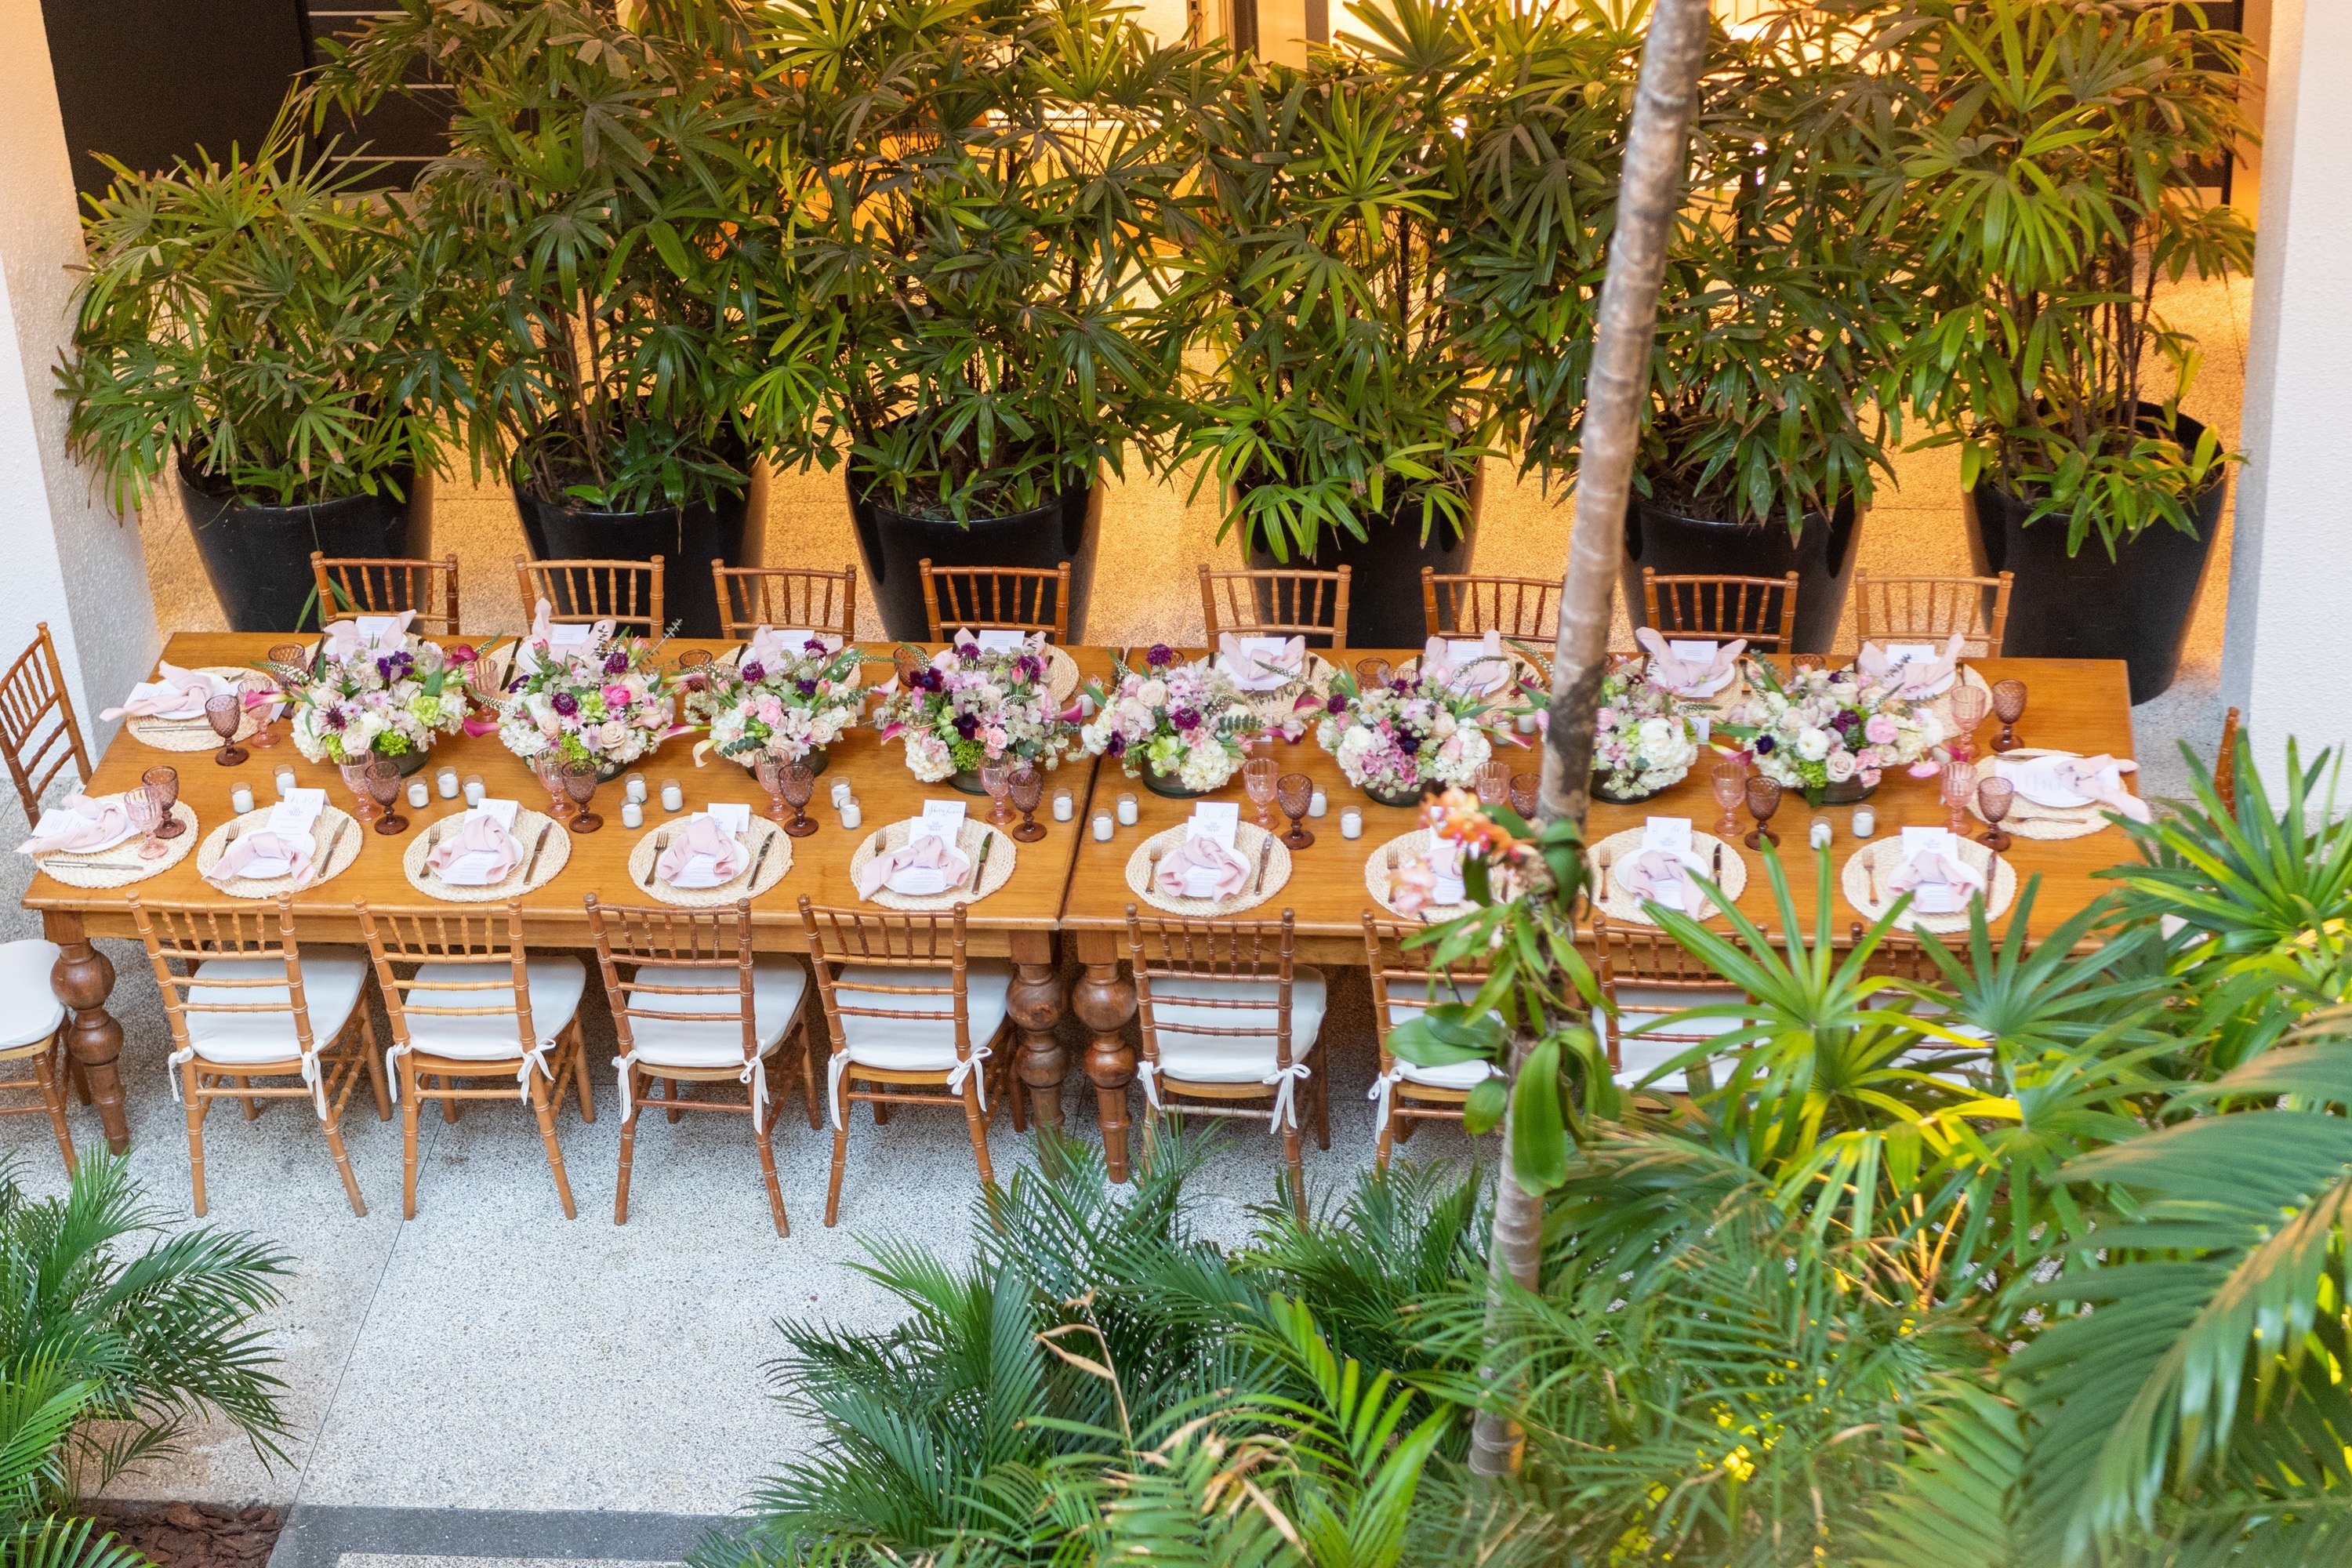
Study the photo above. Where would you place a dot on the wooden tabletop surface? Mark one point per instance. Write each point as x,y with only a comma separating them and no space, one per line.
2079,705
1028,905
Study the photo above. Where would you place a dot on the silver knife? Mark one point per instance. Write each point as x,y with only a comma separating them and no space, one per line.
761,860
545,829
987,842
1264,853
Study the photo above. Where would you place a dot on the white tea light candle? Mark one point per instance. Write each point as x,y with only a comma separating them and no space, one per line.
1351,823
1127,808
673,798
446,780
419,793
840,794
632,814
1065,806
633,786
1865,822
475,790
285,779
1821,831
240,798
1102,825
852,814
1318,804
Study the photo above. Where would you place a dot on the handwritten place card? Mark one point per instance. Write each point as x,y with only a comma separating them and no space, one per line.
474,868
942,820
1217,820
1001,641
1693,652
1669,836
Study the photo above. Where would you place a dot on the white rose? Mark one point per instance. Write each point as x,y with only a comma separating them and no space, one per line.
1813,744
1152,693
1839,765
1655,733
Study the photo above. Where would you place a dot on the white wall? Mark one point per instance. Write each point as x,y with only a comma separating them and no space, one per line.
2286,660
64,557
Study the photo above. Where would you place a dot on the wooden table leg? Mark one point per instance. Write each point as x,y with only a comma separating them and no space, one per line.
83,978
1035,1001
1105,1001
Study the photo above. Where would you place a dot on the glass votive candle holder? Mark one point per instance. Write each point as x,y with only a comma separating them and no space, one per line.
1102,825
473,789
1127,808
633,787
1351,823
1527,723
1318,804
840,794
673,798
1865,822
852,814
1065,806
240,798
446,781
285,780
633,815
1821,832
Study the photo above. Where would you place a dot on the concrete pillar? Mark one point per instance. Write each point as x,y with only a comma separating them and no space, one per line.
2285,656
65,557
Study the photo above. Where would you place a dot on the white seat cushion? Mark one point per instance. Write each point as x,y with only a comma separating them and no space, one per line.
778,986
29,1010
1233,1058
332,978
1453,1075
918,1045
555,985
1638,1054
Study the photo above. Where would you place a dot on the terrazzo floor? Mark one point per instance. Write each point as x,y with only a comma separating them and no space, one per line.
489,1355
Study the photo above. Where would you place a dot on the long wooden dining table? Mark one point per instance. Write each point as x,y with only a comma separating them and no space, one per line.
1019,921
1066,881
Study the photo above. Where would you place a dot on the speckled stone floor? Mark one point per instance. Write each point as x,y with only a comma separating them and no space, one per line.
490,1355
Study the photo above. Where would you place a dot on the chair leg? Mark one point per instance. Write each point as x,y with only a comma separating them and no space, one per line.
449,1106
882,1111
539,1102
840,1160
764,1133
192,1083
343,1164
411,1084
252,1106
579,1074
628,1150
1387,1142
676,1092
374,1068
808,1076
1291,1157
977,1120
55,1101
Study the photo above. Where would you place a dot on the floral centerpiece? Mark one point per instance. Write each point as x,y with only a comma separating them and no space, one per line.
1642,739
602,701
389,700
777,701
970,708
1392,740
1829,733
1182,726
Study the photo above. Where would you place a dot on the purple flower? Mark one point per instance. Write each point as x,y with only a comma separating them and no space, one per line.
1030,666
1846,722
926,679
815,644
564,702
968,651
1764,744
967,725
806,688
1337,703
1116,747
616,662
1185,719
337,719
755,672
463,653
1159,655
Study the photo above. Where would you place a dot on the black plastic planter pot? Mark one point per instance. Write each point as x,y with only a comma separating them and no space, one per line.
2134,607
895,546
687,538
258,557
1384,606
1821,555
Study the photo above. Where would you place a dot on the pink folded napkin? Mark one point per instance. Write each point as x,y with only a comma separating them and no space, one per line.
543,621
2100,778
264,844
477,834
1913,678
1643,874
172,694
702,837
924,854
1686,678
1203,851
1487,670
78,822
772,646
346,637
1261,669
1943,885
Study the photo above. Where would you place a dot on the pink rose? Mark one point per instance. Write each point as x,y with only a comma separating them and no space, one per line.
616,698
1605,719
1880,729
1869,777
612,735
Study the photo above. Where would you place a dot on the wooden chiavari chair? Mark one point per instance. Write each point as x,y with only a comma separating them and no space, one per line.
385,585
1930,609
908,1011
2225,765
995,599
38,731
1525,609
626,592
1648,976
787,597
247,1004
1404,987
32,1030
695,1007
1312,604
1761,609
1901,955
476,1005
1228,1021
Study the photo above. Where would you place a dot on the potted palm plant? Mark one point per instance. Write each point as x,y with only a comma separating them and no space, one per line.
1339,412
968,282
252,329
2053,205
600,202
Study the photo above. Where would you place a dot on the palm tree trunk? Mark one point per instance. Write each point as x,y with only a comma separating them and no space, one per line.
1649,193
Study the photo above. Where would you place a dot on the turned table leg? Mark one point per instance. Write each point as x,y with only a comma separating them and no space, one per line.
83,978
1105,1001
1035,1001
